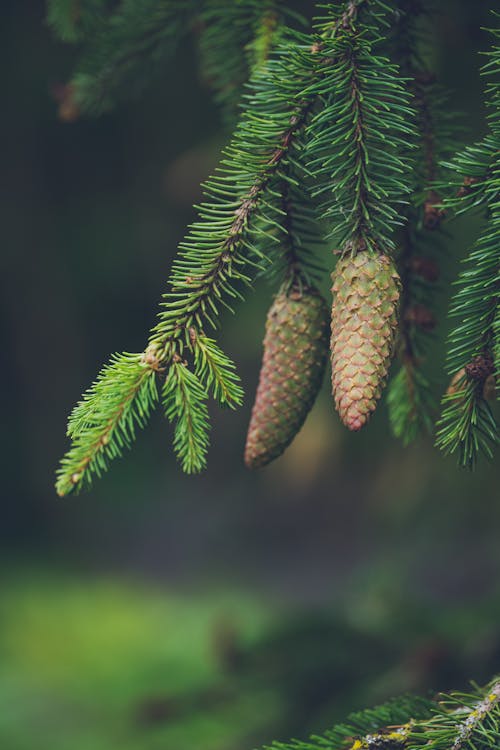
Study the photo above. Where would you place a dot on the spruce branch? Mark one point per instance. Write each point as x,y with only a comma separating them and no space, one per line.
455,721
265,34
73,20
246,215
241,220
327,111
360,145
295,263
214,368
463,721
468,173
410,402
127,49
291,259
184,401
235,39
410,399
385,727
358,140
239,223
104,423
483,720
467,425
475,302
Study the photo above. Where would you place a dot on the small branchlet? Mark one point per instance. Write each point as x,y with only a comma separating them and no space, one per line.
358,141
467,426
125,48
457,721
74,20
104,423
236,39
411,402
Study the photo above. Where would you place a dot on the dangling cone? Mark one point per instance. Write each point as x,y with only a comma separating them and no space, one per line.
293,364
366,290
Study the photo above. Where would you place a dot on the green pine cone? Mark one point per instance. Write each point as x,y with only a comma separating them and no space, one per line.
366,291
295,354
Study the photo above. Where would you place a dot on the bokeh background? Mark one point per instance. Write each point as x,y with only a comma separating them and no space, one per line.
226,610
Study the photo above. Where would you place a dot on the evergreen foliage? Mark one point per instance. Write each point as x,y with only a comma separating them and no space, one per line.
410,397
467,425
124,49
385,727
73,20
126,45
184,400
357,142
104,423
457,721
343,135
234,40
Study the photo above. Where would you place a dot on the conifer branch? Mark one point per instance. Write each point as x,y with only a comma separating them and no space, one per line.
457,721
327,112
233,234
295,264
242,218
358,141
449,729
127,48
235,39
468,175
238,225
217,371
73,20
211,258
385,727
104,423
290,255
266,33
410,399
467,426
184,400
481,714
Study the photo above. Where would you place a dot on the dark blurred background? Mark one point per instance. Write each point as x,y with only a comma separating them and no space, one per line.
228,609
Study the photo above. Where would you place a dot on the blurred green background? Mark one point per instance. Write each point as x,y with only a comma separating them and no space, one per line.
229,609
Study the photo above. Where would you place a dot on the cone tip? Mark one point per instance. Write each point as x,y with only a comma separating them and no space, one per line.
354,421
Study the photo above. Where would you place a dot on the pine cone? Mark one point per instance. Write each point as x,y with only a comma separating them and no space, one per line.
295,354
364,320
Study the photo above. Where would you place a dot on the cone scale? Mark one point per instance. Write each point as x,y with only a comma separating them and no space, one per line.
293,364
366,290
